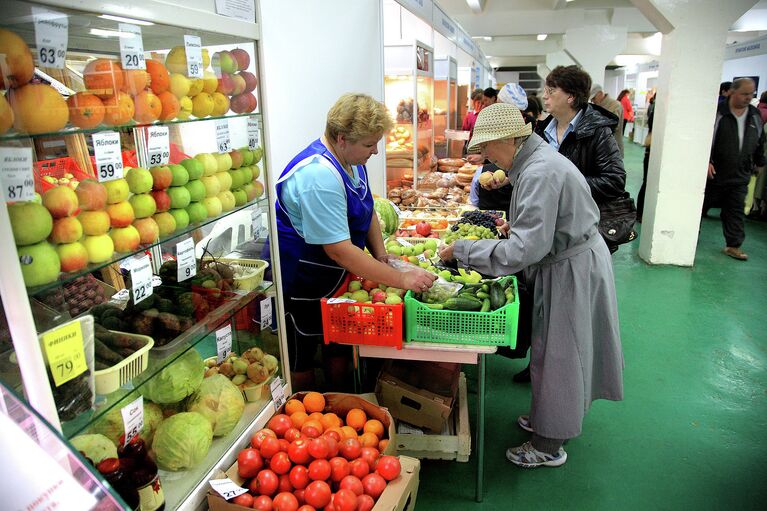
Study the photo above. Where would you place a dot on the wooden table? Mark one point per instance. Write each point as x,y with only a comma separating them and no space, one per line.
456,353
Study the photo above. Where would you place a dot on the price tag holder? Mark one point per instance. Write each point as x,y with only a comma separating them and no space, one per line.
193,46
133,418
254,135
157,146
51,35
266,313
131,47
109,159
224,342
226,488
186,263
278,393
141,278
65,352
223,142
16,171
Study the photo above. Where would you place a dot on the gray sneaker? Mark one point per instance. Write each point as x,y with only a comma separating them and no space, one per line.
527,456
523,421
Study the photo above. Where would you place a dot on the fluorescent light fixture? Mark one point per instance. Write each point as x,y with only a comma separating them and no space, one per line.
487,38
476,6
568,1
542,37
125,20
109,33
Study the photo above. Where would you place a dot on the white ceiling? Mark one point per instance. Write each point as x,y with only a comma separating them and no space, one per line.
514,25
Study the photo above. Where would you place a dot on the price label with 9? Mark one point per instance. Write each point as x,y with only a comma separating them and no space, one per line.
186,263
51,35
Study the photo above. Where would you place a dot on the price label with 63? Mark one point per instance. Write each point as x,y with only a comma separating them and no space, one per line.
254,136
157,146
109,160
51,35
226,488
133,418
131,47
16,174
224,342
141,278
65,352
185,261
222,136
193,46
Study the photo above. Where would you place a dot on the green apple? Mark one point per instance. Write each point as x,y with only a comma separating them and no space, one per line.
209,164
197,212
40,263
194,167
196,190
180,175
181,217
179,197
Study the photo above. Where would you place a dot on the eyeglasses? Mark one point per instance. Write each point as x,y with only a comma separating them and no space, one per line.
549,90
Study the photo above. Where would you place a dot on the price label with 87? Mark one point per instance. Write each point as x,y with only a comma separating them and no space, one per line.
16,172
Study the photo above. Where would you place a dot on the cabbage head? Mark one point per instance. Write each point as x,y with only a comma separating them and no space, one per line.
111,425
180,379
96,447
220,401
182,441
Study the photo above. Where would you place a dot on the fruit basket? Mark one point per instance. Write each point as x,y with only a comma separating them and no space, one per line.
59,172
252,391
252,280
109,380
370,324
494,328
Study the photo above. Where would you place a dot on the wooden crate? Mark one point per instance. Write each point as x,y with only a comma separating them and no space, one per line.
453,444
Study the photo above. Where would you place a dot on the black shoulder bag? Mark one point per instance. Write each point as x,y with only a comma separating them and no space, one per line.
616,222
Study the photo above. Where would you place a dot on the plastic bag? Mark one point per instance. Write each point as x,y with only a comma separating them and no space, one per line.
440,291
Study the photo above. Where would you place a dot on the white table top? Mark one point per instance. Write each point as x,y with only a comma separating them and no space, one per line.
435,352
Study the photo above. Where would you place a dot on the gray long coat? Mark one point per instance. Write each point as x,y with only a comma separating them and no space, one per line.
576,349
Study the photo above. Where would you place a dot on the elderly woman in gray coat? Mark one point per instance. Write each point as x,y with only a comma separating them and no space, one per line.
576,352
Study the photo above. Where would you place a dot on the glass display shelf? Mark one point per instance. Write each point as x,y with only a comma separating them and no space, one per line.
262,201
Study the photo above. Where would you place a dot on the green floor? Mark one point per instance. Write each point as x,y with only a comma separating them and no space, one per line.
692,430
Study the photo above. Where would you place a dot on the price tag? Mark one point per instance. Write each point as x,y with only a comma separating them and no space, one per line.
224,342
254,136
51,35
185,261
157,146
109,159
226,488
278,393
341,300
266,312
65,352
133,418
131,47
404,243
16,171
141,278
193,46
422,258
222,136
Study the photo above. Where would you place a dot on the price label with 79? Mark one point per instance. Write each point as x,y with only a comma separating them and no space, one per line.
65,352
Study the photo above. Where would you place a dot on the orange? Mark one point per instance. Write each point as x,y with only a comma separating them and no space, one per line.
374,426
38,108
19,67
316,424
159,79
314,402
382,444
356,418
316,416
293,405
349,432
6,115
170,109
85,110
134,81
118,109
298,418
368,440
331,420
148,108
103,77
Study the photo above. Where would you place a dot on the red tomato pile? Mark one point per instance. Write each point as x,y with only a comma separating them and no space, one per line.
307,460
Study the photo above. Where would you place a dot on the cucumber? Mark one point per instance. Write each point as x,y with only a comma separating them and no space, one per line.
461,303
482,295
497,296
435,306
485,305
485,288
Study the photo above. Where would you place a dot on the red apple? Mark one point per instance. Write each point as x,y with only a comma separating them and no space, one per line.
243,103
162,199
251,82
225,84
239,84
423,228
242,57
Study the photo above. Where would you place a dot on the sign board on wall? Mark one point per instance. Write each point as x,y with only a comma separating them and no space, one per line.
747,49
466,43
444,25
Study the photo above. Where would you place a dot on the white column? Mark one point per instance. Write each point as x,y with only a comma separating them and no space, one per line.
594,46
558,58
685,107
543,71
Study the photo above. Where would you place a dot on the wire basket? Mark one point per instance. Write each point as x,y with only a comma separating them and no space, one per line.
109,380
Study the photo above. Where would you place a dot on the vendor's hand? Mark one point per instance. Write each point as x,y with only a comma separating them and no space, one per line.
446,253
417,280
475,159
504,229
711,171
386,258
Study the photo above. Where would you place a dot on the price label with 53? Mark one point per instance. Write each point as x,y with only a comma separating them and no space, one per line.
65,352
254,136
157,146
51,35
131,47
109,160
141,278
222,136
193,47
186,263
16,174
133,418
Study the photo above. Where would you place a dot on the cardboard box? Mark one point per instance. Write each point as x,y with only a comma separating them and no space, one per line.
419,393
399,495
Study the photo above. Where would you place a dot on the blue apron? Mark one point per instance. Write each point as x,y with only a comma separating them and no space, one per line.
308,274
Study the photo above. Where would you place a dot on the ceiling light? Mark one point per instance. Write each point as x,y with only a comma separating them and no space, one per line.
542,37
109,33
476,6
125,20
487,38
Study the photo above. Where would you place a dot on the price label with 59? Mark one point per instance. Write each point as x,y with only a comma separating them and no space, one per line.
141,278
65,352
186,263
109,160
193,47
16,174
51,35
157,146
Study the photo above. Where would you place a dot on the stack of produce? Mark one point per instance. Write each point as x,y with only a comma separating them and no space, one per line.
32,223
475,294
82,294
196,190
125,236
251,369
111,348
67,179
140,183
466,231
489,219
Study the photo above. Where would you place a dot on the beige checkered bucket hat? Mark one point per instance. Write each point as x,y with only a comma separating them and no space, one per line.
499,121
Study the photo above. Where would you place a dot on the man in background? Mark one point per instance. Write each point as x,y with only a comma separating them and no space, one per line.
724,91
600,97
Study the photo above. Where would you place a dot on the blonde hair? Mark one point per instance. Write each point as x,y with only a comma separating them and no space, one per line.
357,116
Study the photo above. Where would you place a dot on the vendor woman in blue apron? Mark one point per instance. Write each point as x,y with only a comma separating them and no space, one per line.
325,222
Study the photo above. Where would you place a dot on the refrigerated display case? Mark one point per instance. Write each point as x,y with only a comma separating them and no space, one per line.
445,112
132,163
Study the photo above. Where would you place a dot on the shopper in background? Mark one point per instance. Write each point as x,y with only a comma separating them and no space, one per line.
468,123
736,152
628,110
324,221
600,97
646,162
762,106
489,97
724,91
576,349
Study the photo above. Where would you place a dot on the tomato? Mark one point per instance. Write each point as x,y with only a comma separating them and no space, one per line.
246,499
350,448
345,500
299,477
306,507
388,467
365,503
292,435
310,431
299,452
352,483
285,501
317,494
267,482
285,484
332,433
300,496
423,228
258,437
374,485
318,448
269,447
280,463
280,423
263,503
330,506
319,470
339,468
359,468
370,454
284,445
249,462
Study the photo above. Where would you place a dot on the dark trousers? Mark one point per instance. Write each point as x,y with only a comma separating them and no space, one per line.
640,195
731,198
525,322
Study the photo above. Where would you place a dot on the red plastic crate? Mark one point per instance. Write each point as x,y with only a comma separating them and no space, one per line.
370,324
55,168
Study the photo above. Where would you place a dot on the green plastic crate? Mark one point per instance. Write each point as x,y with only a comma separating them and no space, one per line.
496,328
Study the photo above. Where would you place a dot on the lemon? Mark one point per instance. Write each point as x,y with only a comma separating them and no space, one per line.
202,105
179,85
196,87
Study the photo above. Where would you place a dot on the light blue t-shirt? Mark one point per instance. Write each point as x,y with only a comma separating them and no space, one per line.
315,201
